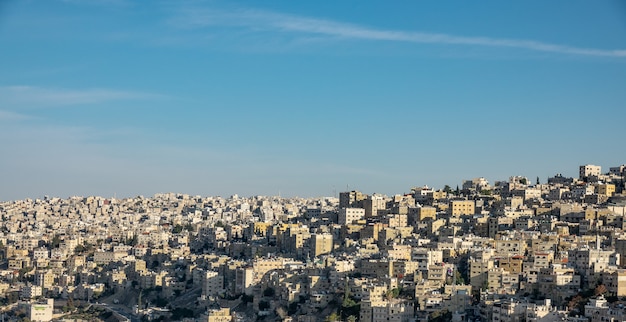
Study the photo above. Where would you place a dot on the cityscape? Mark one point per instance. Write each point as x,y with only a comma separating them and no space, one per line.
520,249
322,161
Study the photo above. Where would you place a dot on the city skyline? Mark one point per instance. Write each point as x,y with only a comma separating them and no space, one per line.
121,97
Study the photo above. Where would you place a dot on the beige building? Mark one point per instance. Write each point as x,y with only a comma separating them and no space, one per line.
41,312
396,220
510,247
615,282
351,199
478,270
589,170
262,266
605,189
558,282
394,310
321,244
462,207
44,279
399,252
350,215
219,315
513,264
418,214
212,284
373,204
244,278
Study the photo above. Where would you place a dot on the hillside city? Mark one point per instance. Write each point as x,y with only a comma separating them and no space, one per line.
515,250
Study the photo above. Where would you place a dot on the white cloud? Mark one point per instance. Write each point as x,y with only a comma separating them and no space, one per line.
258,20
31,96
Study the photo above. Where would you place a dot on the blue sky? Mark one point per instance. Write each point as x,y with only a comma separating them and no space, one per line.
116,97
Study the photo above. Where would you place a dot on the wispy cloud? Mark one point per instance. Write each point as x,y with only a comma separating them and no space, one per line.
32,96
257,20
99,2
12,116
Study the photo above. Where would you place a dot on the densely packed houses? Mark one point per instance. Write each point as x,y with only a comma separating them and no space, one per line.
515,250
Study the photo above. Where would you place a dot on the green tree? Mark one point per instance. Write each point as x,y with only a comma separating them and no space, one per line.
443,315
333,317
392,293
56,241
131,241
177,229
79,249
447,189
458,278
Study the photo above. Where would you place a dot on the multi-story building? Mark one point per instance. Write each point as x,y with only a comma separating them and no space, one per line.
41,312
351,199
373,204
212,284
478,273
394,310
589,170
605,189
321,243
349,215
462,207
219,315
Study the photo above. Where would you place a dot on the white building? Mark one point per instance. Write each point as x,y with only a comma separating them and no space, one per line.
589,170
31,291
41,312
212,284
349,215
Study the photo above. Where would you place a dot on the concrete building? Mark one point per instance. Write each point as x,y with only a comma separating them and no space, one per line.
605,189
212,284
349,215
219,315
373,204
41,312
461,207
321,244
589,170
394,310
351,199
244,278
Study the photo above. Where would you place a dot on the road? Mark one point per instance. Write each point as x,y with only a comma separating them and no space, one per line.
121,310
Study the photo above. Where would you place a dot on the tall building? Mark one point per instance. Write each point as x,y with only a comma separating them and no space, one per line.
244,278
212,284
589,170
321,244
351,199
373,204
